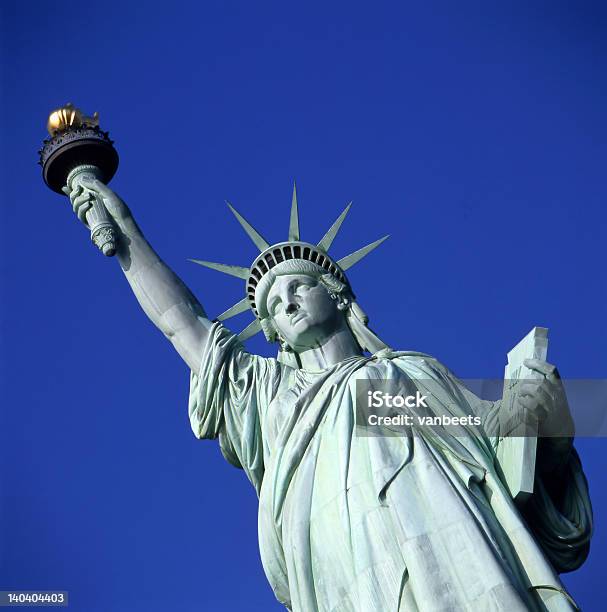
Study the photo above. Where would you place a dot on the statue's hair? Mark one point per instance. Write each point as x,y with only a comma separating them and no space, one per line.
334,285
269,329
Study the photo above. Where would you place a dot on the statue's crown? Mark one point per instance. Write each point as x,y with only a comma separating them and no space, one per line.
272,255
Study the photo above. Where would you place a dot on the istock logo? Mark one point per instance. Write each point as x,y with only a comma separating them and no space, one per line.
379,399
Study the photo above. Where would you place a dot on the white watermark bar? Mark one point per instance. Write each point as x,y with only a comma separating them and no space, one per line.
33,598
479,407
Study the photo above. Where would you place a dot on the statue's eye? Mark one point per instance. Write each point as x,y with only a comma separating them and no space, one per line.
303,287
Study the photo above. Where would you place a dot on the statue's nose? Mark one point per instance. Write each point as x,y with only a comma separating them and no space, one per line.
292,307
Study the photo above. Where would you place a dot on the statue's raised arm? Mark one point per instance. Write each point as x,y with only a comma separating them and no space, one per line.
165,299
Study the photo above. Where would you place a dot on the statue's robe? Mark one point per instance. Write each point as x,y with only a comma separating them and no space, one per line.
352,523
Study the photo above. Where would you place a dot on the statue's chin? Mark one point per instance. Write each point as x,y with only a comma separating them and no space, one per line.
307,333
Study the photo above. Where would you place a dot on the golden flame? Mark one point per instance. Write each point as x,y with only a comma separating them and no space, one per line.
68,117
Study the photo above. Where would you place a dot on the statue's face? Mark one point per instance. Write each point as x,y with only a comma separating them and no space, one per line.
302,311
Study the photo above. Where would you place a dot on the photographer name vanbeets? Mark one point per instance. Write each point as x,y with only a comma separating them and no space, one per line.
408,420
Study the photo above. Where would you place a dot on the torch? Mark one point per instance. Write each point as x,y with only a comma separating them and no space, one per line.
78,148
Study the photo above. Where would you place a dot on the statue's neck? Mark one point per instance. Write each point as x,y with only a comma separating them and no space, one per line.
335,348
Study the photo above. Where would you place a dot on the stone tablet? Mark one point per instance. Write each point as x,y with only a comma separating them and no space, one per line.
517,446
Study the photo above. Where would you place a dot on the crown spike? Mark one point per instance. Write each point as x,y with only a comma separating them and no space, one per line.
237,271
349,260
327,239
234,310
250,330
294,222
253,234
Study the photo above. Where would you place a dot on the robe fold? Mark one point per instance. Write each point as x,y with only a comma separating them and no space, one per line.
361,523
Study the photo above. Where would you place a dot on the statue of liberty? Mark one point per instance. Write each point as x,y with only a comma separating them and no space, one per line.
352,523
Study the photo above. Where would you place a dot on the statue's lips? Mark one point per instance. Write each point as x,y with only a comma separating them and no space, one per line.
297,317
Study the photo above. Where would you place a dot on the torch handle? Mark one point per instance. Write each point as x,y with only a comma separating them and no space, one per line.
99,221
103,234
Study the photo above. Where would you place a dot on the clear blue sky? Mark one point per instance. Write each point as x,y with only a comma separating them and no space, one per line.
473,132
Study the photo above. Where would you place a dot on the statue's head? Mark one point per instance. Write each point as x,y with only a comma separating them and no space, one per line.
298,293
300,304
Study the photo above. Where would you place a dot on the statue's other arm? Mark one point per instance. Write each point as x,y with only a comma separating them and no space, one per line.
168,303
